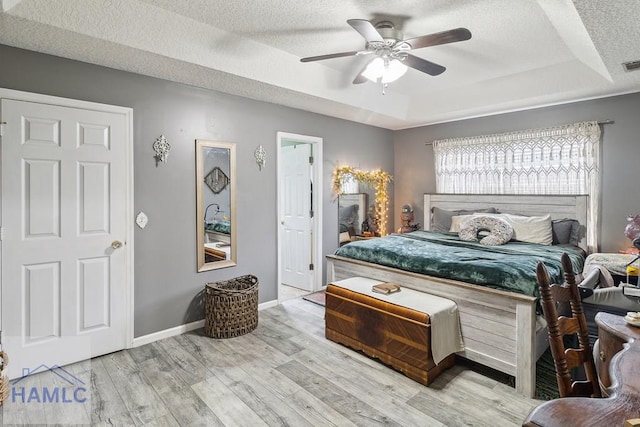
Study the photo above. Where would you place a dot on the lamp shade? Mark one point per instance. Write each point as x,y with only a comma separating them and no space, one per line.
393,71
384,70
374,70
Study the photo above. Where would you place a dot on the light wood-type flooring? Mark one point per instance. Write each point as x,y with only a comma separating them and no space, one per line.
285,373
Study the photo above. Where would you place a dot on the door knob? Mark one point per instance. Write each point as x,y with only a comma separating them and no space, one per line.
116,244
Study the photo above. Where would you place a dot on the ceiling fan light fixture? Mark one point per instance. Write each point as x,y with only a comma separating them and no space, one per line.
374,70
393,71
384,71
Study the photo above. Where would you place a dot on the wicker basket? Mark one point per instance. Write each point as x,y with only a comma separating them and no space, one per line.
231,307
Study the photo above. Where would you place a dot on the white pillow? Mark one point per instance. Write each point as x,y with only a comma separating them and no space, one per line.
457,220
531,229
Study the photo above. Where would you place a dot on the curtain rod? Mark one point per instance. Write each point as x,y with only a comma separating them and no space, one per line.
600,122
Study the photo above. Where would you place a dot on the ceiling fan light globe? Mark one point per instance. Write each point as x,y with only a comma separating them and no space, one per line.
383,71
375,70
393,71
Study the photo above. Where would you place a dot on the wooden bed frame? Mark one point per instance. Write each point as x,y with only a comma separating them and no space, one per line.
216,236
499,328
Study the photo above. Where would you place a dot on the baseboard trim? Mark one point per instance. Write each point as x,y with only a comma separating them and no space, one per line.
171,332
267,304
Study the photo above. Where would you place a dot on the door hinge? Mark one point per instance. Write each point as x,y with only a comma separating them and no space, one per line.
310,160
311,214
311,267
1,234
2,128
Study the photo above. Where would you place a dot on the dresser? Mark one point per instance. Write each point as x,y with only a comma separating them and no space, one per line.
618,361
613,334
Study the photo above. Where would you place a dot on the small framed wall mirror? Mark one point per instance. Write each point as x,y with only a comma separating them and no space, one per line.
215,204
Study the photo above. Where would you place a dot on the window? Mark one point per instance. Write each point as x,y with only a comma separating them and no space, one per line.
558,160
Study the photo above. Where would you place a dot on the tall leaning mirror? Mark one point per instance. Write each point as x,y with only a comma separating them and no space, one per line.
215,204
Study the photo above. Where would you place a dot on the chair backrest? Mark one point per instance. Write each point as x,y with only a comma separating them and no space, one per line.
566,359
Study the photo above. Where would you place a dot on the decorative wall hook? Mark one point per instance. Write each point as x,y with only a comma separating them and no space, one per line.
261,156
162,147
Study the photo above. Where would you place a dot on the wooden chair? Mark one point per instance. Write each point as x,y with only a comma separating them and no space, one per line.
559,326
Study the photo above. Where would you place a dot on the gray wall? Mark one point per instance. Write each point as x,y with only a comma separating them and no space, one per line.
166,282
414,168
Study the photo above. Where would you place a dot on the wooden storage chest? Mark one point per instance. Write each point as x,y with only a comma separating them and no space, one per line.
398,336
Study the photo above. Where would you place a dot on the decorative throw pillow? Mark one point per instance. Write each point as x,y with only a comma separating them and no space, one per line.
500,231
565,231
457,220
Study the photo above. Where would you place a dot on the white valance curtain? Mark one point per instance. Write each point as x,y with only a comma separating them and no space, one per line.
557,160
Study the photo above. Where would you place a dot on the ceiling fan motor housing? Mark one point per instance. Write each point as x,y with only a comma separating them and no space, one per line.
388,32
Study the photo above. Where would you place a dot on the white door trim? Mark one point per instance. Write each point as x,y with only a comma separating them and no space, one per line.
128,115
317,204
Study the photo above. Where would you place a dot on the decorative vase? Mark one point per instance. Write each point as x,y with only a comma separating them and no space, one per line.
632,230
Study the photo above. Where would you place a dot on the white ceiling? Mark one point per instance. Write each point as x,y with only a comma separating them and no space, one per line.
523,53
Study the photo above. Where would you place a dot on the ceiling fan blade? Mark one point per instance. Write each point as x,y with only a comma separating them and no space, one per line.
329,56
423,65
366,30
450,36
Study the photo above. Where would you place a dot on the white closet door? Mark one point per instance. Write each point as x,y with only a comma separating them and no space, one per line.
64,254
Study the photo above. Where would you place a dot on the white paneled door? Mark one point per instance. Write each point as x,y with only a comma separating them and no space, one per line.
295,208
64,250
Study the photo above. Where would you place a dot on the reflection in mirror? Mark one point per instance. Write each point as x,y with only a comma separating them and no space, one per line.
215,204
352,217
216,180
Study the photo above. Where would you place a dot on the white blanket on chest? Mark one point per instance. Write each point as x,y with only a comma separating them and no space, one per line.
446,337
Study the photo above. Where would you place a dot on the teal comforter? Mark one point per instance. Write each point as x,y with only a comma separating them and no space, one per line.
219,226
510,267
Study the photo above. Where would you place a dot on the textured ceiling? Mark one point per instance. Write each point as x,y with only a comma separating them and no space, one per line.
523,53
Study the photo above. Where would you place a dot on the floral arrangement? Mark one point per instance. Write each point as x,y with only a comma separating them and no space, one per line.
377,179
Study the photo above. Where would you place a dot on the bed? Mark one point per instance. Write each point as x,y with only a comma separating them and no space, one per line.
217,251
218,230
501,328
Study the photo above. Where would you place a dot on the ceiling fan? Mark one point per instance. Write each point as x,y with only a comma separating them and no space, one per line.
391,52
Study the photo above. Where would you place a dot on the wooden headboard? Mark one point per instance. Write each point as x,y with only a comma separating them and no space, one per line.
574,207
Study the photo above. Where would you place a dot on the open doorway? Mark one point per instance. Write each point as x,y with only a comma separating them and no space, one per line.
299,215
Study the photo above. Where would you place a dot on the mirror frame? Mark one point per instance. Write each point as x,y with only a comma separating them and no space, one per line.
201,145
